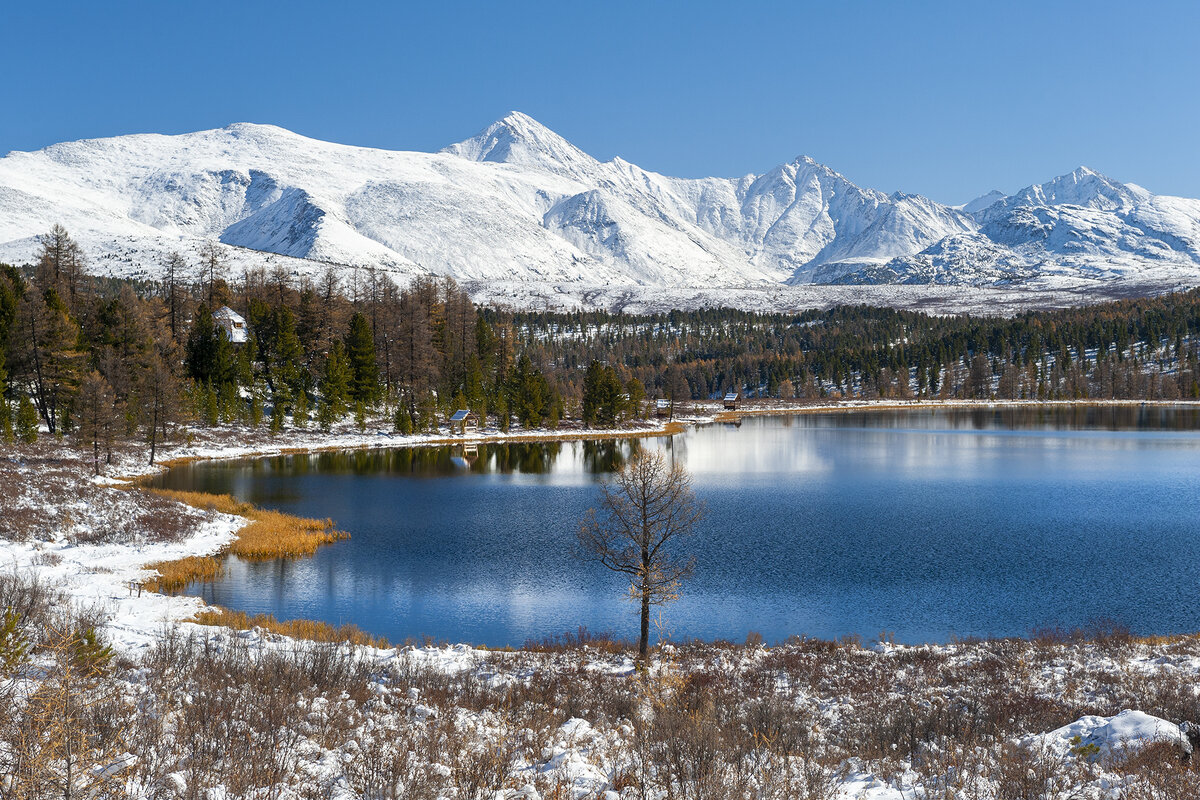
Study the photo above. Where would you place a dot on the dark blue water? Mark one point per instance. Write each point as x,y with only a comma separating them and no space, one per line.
928,525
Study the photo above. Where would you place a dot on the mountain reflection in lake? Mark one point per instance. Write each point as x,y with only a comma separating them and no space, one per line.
929,524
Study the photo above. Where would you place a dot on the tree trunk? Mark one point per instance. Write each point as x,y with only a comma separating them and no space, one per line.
154,428
644,642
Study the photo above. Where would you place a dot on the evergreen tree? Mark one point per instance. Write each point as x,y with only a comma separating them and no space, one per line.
360,357
7,433
46,358
530,393
602,395
209,356
335,385
27,421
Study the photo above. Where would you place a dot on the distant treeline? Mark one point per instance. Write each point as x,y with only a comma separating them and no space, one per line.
107,359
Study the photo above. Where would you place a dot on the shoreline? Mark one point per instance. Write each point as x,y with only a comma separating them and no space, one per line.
99,573
372,441
669,429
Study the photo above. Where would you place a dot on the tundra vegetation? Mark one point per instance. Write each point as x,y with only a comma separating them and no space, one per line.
207,710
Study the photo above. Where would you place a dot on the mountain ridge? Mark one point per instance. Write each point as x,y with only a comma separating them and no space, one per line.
518,202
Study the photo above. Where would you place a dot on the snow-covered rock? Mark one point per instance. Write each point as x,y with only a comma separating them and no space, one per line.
1095,737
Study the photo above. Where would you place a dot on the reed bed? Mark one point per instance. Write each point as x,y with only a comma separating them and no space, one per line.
307,629
269,534
175,575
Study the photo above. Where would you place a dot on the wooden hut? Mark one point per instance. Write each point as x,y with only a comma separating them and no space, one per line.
731,400
662,408
465,422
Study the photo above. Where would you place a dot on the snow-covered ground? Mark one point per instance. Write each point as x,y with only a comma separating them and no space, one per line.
833,720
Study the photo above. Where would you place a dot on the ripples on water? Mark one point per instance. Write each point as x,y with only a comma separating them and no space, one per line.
927,524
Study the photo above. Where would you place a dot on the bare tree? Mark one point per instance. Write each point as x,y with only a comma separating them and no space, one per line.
173,268
648,510
213,267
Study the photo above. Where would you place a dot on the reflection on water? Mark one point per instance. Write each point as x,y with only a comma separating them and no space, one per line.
925,523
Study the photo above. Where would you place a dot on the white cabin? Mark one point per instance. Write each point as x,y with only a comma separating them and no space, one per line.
232,323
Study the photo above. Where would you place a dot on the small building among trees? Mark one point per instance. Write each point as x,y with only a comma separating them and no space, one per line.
731,400
232,323
662,407
464,421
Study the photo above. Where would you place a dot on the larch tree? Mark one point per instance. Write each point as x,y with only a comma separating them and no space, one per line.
60,263
45,355
173,291
647,513
213,268
97,416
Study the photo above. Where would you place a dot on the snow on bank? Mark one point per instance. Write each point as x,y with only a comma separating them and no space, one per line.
98,576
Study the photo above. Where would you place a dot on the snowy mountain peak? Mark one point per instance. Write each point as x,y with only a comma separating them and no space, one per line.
519,139
983,201
1081,186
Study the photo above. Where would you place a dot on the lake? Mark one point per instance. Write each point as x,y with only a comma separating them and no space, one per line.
927,524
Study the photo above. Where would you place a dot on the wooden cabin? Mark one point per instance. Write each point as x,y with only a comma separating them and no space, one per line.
731,400
662,408
464,422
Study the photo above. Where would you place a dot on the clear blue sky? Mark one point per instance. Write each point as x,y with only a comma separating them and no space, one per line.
947,99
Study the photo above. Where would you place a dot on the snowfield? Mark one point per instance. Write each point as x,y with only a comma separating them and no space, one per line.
525,217
1061,715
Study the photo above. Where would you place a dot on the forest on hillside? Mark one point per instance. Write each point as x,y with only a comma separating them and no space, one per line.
106,360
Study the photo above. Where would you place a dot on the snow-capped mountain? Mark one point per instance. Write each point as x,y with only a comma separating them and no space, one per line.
519,203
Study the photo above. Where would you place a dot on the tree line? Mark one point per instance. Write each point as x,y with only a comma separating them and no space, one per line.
107,360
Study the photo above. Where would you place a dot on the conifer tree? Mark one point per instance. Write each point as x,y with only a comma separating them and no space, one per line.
7,433
360,356
335,386
27,421
97,416
209,355
45,353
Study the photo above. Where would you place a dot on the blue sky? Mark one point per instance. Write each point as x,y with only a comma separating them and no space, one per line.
948,99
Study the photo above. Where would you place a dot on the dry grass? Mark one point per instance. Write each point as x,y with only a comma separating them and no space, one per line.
273,534
175,575
307,629
269,534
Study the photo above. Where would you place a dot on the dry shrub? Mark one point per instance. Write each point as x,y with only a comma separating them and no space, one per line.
605,642
306,629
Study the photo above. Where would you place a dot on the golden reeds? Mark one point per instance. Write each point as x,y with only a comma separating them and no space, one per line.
269,534
297,628
175,575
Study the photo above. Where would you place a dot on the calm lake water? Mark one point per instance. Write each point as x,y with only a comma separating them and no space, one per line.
926,524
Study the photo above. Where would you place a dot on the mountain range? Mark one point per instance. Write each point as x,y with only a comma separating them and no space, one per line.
517,204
